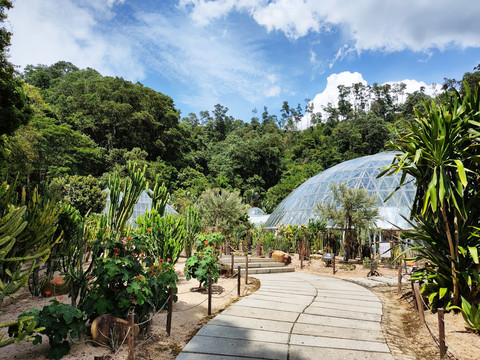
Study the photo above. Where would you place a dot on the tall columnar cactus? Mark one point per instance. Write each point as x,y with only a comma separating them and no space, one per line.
27,235
192,228
26,239
129,190
159,197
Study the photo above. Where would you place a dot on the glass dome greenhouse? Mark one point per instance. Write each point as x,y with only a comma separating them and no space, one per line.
257,216
298,207
144,203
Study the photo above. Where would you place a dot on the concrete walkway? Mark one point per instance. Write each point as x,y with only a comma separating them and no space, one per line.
295,316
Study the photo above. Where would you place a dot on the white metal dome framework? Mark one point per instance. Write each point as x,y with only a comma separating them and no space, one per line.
298,207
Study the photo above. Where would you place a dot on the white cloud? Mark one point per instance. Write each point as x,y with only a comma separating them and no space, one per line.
392,25
214,66
110,3
330,94
52,30
273,91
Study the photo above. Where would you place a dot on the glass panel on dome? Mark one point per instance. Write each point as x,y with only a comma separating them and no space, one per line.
300,205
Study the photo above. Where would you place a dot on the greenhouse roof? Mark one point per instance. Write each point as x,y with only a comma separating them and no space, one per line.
298,207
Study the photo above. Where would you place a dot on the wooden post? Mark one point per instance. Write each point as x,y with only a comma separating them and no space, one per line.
300,254
170,310
210,296
333,263
238,284
246,270
418,297
400,280
233,263
441,332
131,334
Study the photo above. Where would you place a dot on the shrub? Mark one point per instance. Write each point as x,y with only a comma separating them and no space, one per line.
59,322
203,264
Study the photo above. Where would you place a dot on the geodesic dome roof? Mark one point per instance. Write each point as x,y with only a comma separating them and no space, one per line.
255,211
145,203
298,207
257,216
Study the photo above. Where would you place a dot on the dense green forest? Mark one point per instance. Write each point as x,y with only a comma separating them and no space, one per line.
78,122
60,120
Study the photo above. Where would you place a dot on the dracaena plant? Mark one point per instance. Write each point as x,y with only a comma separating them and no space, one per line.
440,150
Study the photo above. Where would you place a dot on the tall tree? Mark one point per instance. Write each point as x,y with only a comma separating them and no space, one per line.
14,109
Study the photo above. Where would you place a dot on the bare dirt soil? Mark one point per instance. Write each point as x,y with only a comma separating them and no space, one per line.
190,313
405,336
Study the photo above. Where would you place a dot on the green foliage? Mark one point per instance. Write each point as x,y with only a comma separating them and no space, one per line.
203,264
357,211
165,234
192,228
14,109
132,269
124,194
27,235
222,209
82,192
439,148
128,275
59,322
19,330
471,315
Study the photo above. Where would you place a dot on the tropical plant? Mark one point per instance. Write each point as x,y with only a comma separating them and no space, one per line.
357,211
59,322
23,247
132,268
203,264
316,232
470,313
127,277
439,149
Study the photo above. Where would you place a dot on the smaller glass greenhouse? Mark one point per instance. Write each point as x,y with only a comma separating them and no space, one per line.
144,203
257,216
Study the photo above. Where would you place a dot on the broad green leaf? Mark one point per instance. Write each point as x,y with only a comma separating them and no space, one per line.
461,172
473,253
442,292
432,296
462,250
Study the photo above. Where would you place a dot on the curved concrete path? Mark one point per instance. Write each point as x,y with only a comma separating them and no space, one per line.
295,316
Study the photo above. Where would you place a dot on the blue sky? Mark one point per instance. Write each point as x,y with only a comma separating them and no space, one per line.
247,54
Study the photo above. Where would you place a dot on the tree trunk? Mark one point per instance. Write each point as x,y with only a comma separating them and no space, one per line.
453,254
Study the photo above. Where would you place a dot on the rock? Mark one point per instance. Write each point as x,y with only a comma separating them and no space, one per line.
107,327
56,286
280,256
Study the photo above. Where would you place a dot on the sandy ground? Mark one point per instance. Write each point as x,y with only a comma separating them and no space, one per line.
190,313
405,336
